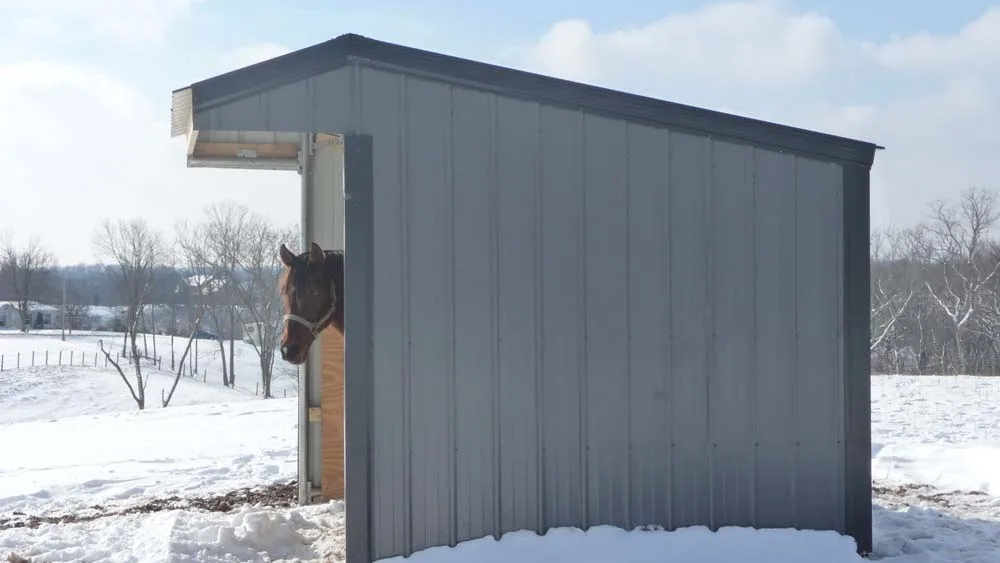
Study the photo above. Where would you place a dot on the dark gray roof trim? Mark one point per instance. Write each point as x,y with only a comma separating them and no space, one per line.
348,48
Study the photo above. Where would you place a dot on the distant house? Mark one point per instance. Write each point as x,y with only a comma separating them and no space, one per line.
41,316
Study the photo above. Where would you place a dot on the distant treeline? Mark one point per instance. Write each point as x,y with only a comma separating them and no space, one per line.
90,284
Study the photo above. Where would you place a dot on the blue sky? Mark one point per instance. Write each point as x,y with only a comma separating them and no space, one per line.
483,32
85,74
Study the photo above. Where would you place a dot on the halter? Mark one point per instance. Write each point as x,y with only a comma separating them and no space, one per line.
320,323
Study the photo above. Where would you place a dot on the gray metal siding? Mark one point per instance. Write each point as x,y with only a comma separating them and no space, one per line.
323,103
581,321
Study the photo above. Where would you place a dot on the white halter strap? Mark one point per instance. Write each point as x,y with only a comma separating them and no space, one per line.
321,323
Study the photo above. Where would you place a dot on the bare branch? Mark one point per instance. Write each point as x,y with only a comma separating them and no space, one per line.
107,355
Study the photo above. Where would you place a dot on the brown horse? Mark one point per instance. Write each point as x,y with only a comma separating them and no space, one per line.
312,288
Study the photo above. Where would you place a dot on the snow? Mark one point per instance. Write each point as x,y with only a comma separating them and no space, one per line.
85,347
249,534
944,430
606,543
146,485
177,450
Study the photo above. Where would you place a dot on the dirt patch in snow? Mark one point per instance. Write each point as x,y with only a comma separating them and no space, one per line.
279,495
906,494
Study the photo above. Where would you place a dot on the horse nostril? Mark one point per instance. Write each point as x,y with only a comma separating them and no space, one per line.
284,351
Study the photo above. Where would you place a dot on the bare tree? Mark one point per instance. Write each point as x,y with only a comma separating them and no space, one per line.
892,287
960,236
138,392
224,231
27,270
207,252
134,250
192,256
259,266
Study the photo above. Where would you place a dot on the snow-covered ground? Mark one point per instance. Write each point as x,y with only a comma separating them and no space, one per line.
44,347
73,443
936,468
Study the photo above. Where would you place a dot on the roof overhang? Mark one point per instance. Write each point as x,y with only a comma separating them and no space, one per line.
195,102
250,150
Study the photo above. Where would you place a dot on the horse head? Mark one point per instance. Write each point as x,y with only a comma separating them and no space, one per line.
312,289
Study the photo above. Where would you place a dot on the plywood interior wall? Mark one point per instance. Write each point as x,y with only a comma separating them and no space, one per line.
332,414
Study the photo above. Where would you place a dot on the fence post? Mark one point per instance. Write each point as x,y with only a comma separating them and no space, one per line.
1,362
32,358
95,359
71,357
46,357
105,361
60,357
18,360
83,358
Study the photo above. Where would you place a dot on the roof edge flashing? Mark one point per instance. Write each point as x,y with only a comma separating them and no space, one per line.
351,49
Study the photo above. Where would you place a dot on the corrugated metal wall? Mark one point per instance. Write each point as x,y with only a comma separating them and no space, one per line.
582,321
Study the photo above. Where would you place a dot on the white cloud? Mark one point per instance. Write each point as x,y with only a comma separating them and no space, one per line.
89,145
131,21
975,47
797,68
937,144
756,44
42,76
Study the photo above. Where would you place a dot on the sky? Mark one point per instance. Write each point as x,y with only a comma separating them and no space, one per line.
85,87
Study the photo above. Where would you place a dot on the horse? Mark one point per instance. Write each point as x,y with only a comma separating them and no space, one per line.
312,289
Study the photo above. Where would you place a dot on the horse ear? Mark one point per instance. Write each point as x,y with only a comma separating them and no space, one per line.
287,258
316,254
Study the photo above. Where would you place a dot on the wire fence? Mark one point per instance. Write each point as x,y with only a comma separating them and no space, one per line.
75,358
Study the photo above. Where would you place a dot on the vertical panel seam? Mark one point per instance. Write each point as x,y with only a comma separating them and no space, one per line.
708,224
540,497
841,340
837,484
754,346
495,312
584,371
796,374
669,364
452,397
406,332
629,517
